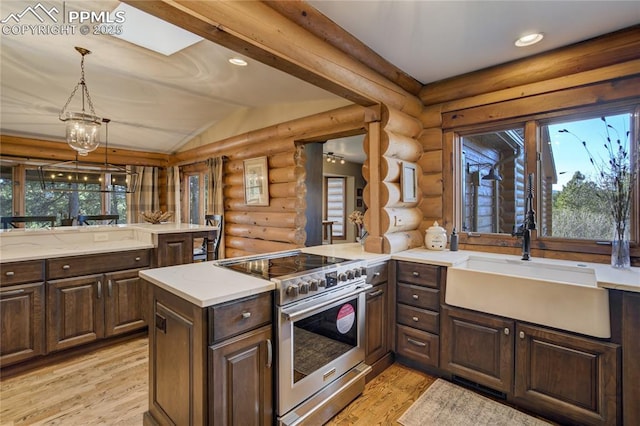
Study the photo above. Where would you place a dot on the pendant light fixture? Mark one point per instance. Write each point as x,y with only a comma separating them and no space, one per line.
82,128
77,176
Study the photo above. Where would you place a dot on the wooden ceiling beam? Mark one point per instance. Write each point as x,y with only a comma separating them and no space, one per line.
38,149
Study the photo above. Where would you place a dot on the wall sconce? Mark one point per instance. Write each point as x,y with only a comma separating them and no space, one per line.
332,158
493,174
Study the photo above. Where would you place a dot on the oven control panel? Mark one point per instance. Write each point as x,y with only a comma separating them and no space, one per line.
316,282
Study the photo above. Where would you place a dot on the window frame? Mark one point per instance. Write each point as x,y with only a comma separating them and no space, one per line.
452,141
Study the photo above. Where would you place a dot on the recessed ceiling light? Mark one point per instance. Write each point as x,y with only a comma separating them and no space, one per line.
238,61
153,33
529,39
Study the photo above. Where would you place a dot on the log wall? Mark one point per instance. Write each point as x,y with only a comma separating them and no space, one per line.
394,226
583,77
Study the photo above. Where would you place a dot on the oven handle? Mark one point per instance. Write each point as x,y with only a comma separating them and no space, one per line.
291,316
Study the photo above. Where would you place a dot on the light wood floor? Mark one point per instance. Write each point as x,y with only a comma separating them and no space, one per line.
109,387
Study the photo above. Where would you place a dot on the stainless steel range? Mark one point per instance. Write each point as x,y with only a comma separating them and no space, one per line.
320,311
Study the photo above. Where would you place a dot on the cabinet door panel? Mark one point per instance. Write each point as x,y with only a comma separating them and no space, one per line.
376,324
241,377
125,308
22,323
75,311
417,345
478,347
174,249
569,374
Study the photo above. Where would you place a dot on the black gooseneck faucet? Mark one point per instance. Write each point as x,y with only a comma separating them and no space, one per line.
529,223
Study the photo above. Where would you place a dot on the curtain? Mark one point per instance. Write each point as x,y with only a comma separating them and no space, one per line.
215,202
173,193
145,198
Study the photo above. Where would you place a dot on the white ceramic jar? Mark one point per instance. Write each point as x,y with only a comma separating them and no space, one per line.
436,237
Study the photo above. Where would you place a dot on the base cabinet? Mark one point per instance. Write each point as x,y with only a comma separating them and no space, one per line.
241,379
478,347
22,322
564,376
567,374
90,307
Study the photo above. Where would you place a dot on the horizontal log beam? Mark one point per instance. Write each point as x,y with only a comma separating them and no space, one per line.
275,205
257,246
295,236
16,146
271,219
610,49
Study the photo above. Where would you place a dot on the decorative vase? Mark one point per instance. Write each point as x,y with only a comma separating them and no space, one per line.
362,234
620,257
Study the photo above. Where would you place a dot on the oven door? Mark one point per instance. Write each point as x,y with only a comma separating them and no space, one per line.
319,340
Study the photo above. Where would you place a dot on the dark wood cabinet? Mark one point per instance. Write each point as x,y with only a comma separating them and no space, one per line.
378,326
174,249
22,319
125,306
566,377
418,293
631,358
556,372
241,379
478,347
223,370
74,311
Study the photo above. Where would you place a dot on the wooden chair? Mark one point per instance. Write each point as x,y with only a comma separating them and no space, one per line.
13,220
215,220
108,219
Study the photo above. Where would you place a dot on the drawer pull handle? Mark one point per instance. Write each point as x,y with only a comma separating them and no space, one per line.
416,319
99,289
137,258
416,342
66,267
376,274
416,274
522,334
375,293
110,287
246,315
415,297
10,273
12,292
506,331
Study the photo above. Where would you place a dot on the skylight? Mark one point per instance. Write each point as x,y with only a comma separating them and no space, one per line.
145,30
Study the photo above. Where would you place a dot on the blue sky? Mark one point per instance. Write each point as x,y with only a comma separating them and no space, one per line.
569,154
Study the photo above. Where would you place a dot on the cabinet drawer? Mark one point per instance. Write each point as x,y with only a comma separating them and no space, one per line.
419,318
96,263
21,272
377,274
417,345
420,297
419,274
239,316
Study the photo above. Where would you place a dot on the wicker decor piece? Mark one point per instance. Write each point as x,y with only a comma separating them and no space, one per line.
157,216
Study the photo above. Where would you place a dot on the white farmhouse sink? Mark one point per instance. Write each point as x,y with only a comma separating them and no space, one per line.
538,291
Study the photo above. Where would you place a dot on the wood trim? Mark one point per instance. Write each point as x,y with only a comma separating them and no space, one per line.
316,23
595,94
260,32
16,146
599,52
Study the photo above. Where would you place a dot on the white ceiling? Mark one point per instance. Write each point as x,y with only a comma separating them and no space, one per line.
158,103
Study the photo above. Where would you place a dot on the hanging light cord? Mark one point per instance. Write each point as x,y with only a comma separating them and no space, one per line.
82,83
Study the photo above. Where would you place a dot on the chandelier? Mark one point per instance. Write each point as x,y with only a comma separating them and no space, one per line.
82,129
77,176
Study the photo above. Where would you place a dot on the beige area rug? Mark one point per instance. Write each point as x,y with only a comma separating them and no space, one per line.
446,404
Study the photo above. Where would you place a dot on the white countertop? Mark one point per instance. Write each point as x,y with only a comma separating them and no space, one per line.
45,243
606,276
205,284
349,251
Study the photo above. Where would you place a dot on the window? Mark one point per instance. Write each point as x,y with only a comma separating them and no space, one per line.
572,200
493,180
62,204
335,202
567,190
6,191
196,187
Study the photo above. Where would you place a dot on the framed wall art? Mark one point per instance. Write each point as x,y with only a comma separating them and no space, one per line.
409,182
256,182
